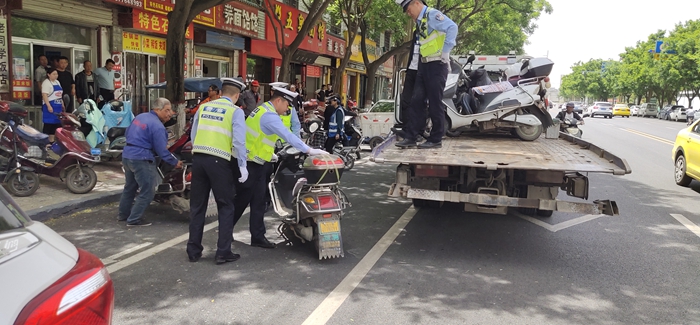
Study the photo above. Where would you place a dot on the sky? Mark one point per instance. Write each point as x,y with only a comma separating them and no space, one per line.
580,30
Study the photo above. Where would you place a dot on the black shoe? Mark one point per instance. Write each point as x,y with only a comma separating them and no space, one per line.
229,258
263,243
195,258
402,134
405,143
119,219
140,223
430,145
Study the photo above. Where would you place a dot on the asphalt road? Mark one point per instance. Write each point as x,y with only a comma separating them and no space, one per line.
443,267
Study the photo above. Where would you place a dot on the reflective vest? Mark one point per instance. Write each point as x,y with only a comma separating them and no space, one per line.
214,129
430,45
287,120
259,145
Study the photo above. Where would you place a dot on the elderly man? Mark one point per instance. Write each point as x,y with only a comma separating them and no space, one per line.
249,99
145,136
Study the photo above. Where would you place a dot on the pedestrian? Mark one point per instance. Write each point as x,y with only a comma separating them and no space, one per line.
264,127
52,95
249,98
145,137
437,36
39,77
321,94
298,102
329,91
219,147
105,77
212,94
67,83
86,84
334,123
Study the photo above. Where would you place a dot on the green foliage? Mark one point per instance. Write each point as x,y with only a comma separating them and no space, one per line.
640,75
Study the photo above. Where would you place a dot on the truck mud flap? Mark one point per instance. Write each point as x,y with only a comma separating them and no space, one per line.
487,201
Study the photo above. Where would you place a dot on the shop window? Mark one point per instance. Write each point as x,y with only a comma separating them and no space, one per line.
50,31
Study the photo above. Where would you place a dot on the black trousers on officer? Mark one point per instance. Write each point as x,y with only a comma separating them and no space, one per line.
430,85
407,93
252,193
215,174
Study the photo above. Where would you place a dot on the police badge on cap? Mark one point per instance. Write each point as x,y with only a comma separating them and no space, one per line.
285,93
238,83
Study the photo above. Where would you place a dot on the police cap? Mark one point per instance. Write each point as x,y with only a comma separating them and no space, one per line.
285,93
237,82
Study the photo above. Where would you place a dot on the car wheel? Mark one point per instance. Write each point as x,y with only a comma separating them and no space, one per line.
681,177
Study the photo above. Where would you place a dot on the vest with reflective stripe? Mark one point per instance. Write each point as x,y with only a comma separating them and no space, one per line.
214,129
430,45
287,120
260,146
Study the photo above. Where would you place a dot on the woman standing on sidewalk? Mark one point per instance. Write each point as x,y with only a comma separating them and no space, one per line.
52,103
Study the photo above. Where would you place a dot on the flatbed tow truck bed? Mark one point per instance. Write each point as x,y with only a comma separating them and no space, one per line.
527,174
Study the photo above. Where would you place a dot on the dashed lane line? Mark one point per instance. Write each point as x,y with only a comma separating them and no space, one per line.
687,223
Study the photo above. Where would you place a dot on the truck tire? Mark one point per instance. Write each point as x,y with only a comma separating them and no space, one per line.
375,141
544,213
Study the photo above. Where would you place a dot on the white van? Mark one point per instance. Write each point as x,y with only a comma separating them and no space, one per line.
648,110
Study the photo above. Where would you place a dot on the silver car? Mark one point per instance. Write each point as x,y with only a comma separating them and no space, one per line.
44,278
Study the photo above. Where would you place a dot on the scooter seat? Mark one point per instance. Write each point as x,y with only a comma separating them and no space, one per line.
30,134
115,132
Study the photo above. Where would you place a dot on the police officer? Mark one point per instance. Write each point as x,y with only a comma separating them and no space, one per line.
291,118
264,127
218,129
437,36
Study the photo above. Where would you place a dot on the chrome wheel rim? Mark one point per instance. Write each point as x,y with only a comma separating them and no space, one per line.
680,166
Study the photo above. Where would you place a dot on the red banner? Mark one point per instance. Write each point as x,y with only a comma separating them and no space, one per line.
289,22
156,23
313,71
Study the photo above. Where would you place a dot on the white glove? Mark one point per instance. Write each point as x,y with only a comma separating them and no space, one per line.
445,57
274,158
316,152
244,174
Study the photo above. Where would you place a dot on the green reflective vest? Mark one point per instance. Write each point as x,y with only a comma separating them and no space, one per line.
214,129
260,146
287,120
430,45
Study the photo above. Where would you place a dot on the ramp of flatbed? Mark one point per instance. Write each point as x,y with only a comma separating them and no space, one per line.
566,153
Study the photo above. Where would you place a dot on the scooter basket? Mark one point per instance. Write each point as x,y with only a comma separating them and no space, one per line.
323,169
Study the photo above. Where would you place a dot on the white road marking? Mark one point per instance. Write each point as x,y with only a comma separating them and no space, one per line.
115,257
561,225
687,223
158,248
330,305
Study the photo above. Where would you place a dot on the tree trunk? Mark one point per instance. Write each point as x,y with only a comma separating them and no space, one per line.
337,83
369,87
175,63
286,61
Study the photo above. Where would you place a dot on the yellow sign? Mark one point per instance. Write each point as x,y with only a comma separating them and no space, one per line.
372,50
131,42
153,45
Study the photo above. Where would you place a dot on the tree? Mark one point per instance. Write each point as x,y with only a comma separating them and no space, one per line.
316,9
182,15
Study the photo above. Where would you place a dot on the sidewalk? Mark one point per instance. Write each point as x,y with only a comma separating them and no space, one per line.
53,198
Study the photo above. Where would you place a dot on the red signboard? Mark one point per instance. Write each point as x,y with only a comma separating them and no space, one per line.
22,89
313,71
289,22
156,23
335,46
241,19
207,17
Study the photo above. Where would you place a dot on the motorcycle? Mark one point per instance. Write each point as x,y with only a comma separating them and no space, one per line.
570,127
306,195
19,180
475,104
75,156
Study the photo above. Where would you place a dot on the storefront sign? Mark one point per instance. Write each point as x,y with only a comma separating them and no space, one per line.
21,89
128,3
155,23
142,43
4,57
219,40
242,19
356,66
302,56
372,50
206,17
198,68
289,22
313,71
335,46
117,58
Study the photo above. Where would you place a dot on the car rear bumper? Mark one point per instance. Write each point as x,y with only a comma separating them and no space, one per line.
602,113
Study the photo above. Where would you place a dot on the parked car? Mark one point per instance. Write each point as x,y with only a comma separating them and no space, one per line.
686,155
377,121
678,114
621,110
648,110
634,110
665,113
44,278
603,109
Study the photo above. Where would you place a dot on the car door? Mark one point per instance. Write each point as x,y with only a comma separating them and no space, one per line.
692,152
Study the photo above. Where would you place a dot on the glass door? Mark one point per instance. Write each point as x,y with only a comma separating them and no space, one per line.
79,57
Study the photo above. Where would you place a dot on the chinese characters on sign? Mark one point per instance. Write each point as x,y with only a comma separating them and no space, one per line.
243,20
4,58
165,6
21,89
131,42
335,46
142,43
290,22
151,22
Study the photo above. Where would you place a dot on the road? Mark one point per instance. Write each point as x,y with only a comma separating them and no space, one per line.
429,266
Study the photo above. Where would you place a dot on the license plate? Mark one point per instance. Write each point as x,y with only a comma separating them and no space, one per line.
329,226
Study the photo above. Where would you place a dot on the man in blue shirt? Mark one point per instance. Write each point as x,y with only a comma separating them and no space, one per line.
145,137
437,36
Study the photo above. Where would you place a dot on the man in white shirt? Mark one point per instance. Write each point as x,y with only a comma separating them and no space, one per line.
40,76
105,78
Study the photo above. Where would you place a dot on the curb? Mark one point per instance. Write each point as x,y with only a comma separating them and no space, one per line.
60,209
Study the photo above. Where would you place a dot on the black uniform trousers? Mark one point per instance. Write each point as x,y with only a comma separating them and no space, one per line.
252,193
430,85
215,174
407,94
